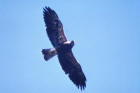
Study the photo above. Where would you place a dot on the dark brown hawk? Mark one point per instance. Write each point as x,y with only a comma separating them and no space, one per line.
62,48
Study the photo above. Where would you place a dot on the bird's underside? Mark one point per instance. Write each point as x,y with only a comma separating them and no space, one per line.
62,48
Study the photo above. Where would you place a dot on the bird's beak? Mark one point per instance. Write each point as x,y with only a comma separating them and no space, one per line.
72,43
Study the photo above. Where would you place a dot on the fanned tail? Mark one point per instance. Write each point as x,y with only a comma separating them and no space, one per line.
49,53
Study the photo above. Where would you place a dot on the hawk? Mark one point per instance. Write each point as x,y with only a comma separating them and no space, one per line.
62,48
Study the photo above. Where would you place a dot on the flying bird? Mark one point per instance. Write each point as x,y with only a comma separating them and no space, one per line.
62,48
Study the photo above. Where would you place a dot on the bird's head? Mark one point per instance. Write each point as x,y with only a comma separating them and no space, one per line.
72,43
66,46
69,44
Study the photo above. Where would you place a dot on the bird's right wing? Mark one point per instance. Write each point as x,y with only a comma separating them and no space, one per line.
54,27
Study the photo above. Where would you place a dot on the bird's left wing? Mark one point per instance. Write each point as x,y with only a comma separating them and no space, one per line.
71,67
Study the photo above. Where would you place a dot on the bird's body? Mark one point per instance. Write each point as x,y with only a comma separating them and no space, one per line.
62,48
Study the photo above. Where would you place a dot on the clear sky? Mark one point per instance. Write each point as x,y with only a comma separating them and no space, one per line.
107,45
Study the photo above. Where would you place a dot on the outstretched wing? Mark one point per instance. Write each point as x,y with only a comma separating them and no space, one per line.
71,67
54,27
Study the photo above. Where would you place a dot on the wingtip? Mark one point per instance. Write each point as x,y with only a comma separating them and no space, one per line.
82,87
47,9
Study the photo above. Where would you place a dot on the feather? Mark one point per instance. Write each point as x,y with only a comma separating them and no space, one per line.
49,53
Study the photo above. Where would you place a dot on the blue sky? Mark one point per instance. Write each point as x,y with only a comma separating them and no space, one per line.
107,45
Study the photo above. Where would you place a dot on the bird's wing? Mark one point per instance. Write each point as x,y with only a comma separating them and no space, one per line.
54,27
71,67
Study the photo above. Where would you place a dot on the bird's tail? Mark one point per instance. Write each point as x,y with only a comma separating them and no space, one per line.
49,53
